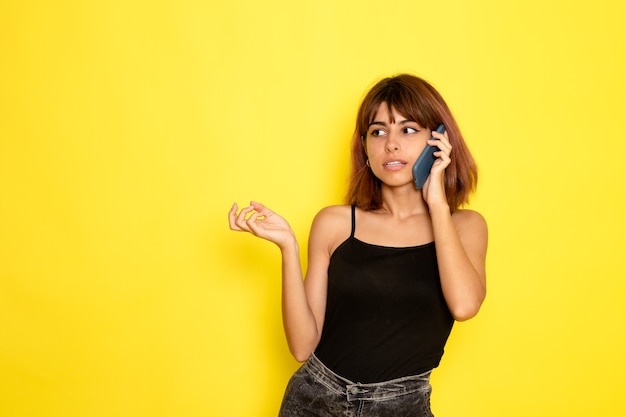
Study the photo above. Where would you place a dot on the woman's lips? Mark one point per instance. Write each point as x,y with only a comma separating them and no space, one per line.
394,165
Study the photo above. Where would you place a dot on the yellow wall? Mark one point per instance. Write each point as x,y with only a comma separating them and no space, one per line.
128,128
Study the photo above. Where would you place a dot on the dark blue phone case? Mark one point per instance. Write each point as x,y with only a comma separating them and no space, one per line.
421,168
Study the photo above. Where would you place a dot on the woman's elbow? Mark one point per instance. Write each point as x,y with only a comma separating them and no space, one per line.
301,355
467,310
463,315
302,351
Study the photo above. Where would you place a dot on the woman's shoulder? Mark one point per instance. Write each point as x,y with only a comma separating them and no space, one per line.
469,219
331,226
466,214
332,216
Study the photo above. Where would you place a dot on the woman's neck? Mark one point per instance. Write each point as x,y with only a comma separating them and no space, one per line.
403,202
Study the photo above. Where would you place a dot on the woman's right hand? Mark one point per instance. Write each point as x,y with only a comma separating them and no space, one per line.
262,222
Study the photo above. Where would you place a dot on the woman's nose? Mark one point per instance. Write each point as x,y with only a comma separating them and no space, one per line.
392,143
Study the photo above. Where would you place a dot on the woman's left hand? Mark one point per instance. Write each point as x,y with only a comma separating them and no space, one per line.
433,191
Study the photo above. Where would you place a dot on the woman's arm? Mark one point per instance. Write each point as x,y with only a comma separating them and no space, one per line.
461,244
460,241
303,303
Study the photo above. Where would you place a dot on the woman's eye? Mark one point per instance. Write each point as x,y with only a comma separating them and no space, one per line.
410,130
377,132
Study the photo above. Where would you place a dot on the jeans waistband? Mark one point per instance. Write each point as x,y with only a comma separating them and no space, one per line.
371,391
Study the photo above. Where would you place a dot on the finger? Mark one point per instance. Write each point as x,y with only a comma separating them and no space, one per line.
439,166
439,136
241,218
264,211
253,219
442,155
442,137
232,217
444,147
255,222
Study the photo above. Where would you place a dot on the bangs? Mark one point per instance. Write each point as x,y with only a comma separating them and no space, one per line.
400,97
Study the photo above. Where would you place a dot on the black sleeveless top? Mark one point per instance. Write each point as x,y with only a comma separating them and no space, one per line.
386,317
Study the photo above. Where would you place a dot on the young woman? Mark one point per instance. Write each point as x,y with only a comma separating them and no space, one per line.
388,273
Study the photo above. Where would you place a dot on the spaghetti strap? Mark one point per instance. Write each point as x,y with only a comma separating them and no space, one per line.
353,220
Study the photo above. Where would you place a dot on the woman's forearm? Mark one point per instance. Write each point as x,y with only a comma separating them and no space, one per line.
298,319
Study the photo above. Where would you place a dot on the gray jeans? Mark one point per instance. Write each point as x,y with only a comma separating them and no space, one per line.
315,390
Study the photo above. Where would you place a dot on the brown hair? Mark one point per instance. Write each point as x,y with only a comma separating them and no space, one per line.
416,100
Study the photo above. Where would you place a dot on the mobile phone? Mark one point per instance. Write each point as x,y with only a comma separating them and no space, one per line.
421,168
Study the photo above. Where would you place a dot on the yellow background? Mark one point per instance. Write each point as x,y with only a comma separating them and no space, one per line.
128,128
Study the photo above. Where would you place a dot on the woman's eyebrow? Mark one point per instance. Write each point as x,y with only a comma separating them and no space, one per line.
400,122
377,123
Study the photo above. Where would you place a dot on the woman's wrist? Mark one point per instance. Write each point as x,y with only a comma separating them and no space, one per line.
289,245
439,209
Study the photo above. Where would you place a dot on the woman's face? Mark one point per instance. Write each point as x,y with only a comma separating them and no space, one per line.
393,144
